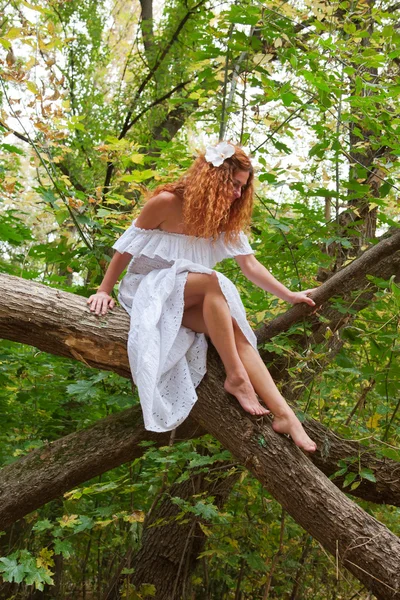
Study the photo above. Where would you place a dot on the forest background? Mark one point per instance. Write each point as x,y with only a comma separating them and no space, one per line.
101,101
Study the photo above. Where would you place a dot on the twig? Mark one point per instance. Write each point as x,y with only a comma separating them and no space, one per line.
276,557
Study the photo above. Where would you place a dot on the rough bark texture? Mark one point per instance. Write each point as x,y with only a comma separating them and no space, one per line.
169,551
358,541
61,323
112,441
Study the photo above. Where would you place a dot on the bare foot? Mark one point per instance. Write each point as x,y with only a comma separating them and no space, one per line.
244,392
289,423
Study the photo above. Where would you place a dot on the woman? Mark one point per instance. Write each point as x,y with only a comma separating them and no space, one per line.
176,299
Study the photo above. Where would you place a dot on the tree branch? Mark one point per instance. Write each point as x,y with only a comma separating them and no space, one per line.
358,541
60,323
110,165
351,277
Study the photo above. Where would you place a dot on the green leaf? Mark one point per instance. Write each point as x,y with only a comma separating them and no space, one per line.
43,525
350,477
355,485
367,474
63,547
288,98
5,43
13,149
12,570
139,176
205,510
243,14
85,523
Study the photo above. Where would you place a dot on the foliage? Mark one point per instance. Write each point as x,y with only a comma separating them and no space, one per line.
104,106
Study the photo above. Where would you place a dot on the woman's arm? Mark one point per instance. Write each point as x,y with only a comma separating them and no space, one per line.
260,276
151,216
102,301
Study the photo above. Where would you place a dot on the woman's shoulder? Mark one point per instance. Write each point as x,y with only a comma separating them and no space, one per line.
157,209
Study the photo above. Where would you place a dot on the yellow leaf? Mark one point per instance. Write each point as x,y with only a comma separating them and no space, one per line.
42,45
220,76
45,559
137,158
260,316
68,520
31,63
66,180
278,42
13,33
32,87
137,516
325,175
205,529
261,59
242,476
104,523
373,421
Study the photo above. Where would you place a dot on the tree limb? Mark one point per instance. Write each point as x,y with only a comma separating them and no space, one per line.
350,278
342,527
60,323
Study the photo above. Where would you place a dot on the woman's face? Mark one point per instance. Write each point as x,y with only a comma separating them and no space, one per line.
239,181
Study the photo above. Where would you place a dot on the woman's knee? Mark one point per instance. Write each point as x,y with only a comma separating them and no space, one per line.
213,283
198,285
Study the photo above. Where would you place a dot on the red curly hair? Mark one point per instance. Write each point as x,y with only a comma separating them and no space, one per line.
207,193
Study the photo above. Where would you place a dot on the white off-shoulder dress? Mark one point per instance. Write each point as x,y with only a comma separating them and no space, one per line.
168,360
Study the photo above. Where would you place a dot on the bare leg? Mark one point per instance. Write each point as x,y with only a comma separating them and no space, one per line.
285,421
216,320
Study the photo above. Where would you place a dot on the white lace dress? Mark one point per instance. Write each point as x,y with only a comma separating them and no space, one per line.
168,360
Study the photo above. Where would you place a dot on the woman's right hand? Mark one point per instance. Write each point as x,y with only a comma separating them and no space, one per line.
100,303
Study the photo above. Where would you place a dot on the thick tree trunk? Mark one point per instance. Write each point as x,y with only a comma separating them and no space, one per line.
363,545
357,541
35,314
170,548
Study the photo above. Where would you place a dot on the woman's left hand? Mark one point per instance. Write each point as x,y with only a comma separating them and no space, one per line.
298,297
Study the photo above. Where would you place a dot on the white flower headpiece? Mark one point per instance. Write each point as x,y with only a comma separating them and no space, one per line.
217,154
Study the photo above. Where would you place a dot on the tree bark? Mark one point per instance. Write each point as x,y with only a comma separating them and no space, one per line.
359,542
146,24
35,314
169,550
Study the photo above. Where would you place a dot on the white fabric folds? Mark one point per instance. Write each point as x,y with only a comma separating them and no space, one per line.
168,360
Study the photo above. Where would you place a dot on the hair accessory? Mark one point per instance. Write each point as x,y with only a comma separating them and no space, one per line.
217,154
